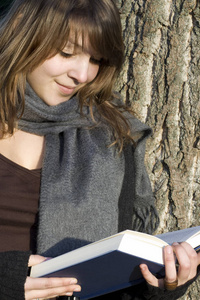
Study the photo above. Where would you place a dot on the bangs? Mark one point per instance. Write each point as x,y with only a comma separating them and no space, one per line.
45,29
103,39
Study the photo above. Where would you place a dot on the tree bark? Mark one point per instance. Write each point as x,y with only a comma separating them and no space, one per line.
161,81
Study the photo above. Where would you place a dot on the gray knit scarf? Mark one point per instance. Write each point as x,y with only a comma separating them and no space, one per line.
88,191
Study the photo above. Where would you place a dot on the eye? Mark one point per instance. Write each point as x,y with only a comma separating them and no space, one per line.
65,54
95,61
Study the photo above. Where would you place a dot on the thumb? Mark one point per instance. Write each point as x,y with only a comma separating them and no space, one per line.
36,259
198,256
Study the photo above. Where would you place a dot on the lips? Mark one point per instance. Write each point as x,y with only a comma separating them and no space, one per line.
66,90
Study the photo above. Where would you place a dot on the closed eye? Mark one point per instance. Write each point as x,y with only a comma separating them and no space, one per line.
64,54
95,61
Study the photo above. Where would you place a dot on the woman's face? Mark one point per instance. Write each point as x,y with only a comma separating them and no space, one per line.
60,77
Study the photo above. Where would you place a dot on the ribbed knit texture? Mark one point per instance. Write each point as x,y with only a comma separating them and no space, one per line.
13,273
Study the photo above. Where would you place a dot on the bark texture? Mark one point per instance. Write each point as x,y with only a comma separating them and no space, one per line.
161,81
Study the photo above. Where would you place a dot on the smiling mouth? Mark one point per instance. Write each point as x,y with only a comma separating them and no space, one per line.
66,90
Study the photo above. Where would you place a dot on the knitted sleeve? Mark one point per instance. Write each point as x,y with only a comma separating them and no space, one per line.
13,273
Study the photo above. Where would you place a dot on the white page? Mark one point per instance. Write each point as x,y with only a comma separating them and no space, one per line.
179,235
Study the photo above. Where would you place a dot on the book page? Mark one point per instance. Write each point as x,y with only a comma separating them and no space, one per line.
183,235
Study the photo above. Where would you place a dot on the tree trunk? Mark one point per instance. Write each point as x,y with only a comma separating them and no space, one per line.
161,81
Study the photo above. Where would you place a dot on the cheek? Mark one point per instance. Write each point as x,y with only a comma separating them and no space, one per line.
49,69
94,69
52,67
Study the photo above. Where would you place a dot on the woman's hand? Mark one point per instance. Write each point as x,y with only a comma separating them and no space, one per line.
45,288
188,261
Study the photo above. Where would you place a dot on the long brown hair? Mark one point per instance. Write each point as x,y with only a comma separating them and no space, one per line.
32,31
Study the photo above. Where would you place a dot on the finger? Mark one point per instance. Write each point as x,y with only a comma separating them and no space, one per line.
148,276
188,261
170,266
51,293
48,283
193,258
198,258
44,288
184,263
35,259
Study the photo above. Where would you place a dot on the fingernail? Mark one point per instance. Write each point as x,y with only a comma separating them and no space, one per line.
73,281
77,289
175,244
142,267
69,294
47,258
169,249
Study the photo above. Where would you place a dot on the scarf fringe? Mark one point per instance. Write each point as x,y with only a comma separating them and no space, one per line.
145,219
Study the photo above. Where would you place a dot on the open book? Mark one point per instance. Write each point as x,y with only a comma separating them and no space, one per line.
113,263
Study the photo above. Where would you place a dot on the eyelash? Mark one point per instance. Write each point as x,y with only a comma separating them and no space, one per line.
66,55
92,59
95,61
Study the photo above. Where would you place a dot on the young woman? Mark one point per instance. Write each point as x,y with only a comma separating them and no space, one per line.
71,155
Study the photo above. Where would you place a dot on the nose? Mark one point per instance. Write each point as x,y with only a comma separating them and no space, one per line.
80,69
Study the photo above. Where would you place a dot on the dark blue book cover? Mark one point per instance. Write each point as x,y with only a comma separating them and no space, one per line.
113,263
107,273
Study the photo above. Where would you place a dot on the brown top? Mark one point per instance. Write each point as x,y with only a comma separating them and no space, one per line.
19,197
